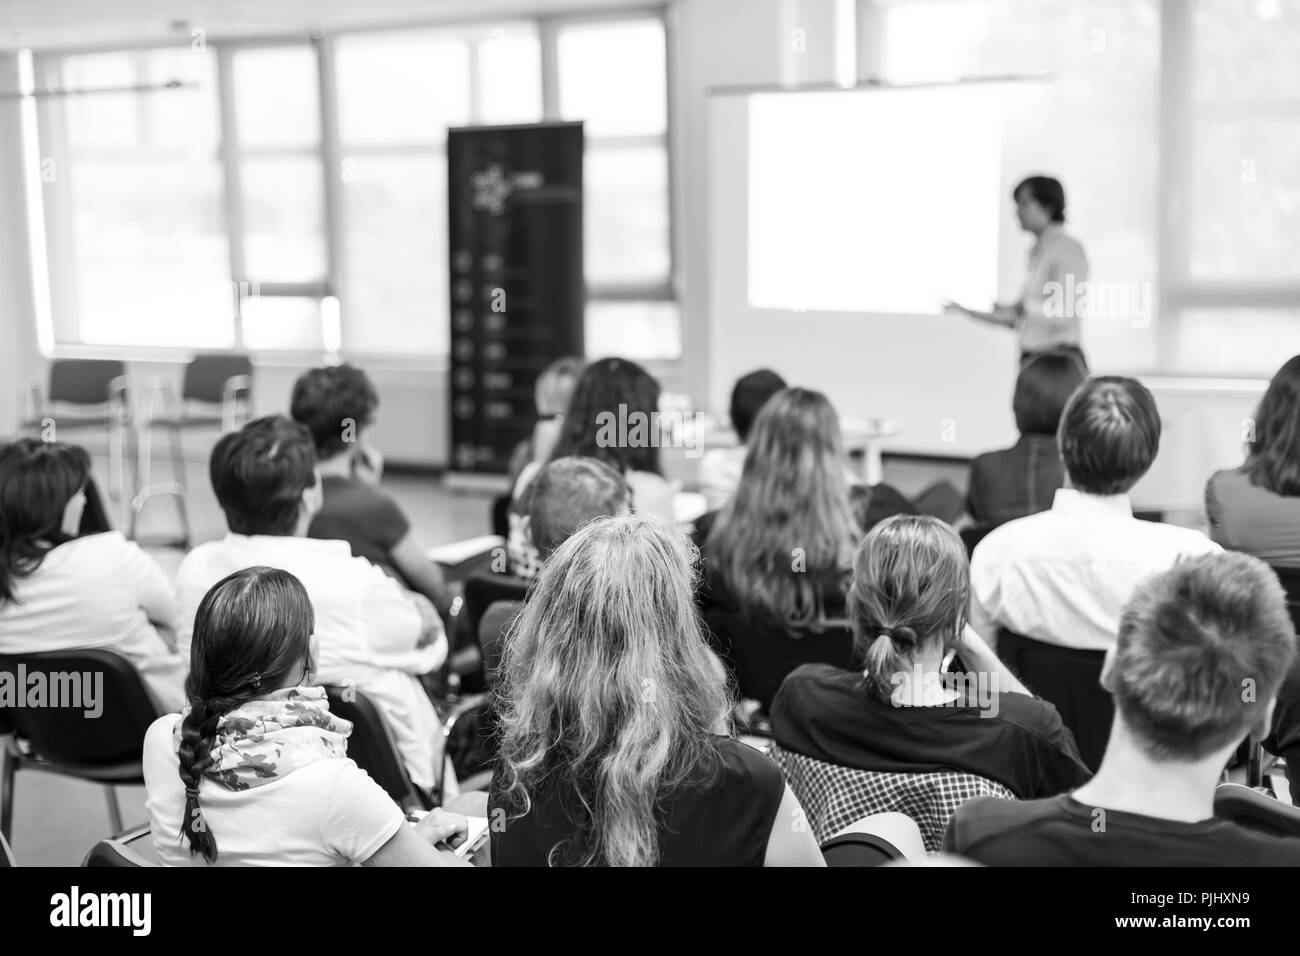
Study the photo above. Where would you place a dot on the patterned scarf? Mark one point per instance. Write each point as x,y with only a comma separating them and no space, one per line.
269,738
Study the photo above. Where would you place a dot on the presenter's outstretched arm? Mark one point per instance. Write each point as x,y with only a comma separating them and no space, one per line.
1004,315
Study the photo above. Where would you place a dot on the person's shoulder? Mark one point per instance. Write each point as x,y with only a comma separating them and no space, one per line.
1182,540
987,819
748,766
158,739
811,686
1030,714
1011,536
105,545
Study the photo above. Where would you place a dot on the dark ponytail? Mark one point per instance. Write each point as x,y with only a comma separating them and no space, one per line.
252,630
37,480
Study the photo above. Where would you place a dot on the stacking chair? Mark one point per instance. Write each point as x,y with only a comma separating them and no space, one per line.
760,655
104,749
1069,679
874,841
129,849
481,591
372,747
6,854
84,393
833,796
216,392
1254,810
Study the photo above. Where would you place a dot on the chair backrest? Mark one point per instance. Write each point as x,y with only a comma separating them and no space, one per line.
492,632
859,849
482,591
834,797
206,375
83,381
6,854
760,655
79,683
972,535
114,853
1256,811
1289,578
1069,679
372,748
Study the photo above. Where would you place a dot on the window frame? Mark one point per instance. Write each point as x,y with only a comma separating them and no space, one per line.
330,152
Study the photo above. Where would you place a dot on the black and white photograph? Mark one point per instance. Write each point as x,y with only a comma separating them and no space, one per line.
657,434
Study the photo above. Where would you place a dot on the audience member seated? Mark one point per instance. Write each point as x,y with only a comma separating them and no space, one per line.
1022,480
1201,650
62,592
373,634
255,771
720,468
612,418
1255,508
551,394
337,404
613,715
1063,576
776,557
904,713
566,494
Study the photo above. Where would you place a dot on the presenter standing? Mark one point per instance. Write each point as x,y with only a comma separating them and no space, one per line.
1046,317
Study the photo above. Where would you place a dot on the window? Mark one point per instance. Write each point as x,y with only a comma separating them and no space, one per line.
1093,123
132,185
613,76
219,210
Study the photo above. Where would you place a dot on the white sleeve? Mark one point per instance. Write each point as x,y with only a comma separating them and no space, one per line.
391,622
985,599
153,591
189,594
357,816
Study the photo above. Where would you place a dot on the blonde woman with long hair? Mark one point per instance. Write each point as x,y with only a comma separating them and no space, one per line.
777,555
613,721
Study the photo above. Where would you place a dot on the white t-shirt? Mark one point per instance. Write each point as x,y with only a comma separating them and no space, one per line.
367,627
329,813
100,591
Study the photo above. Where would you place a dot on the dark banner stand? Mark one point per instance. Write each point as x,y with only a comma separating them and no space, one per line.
517,294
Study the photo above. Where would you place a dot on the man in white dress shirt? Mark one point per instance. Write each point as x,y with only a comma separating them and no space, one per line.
1062,576
372,633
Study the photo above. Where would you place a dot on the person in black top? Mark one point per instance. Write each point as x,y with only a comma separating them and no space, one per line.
1021,480
1202,649
902,713
613,716
338,405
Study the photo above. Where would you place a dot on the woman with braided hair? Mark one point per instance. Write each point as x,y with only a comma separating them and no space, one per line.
904,712
255,770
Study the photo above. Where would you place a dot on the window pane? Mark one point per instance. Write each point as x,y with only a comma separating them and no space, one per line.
1246,183
134,216
401,87
395,254
1236,341
510,79
1246,50
635,330
277,97
626,214
284,232
282,322
613,76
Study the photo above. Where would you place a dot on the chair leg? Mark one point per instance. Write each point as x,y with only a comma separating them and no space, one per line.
114,810
178,469
116,440
8,765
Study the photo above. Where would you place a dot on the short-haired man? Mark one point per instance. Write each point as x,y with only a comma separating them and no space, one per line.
720,468
566,494
1201,652
372,634
337,403
1063,575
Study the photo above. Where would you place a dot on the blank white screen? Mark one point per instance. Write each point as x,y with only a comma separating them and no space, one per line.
875,200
